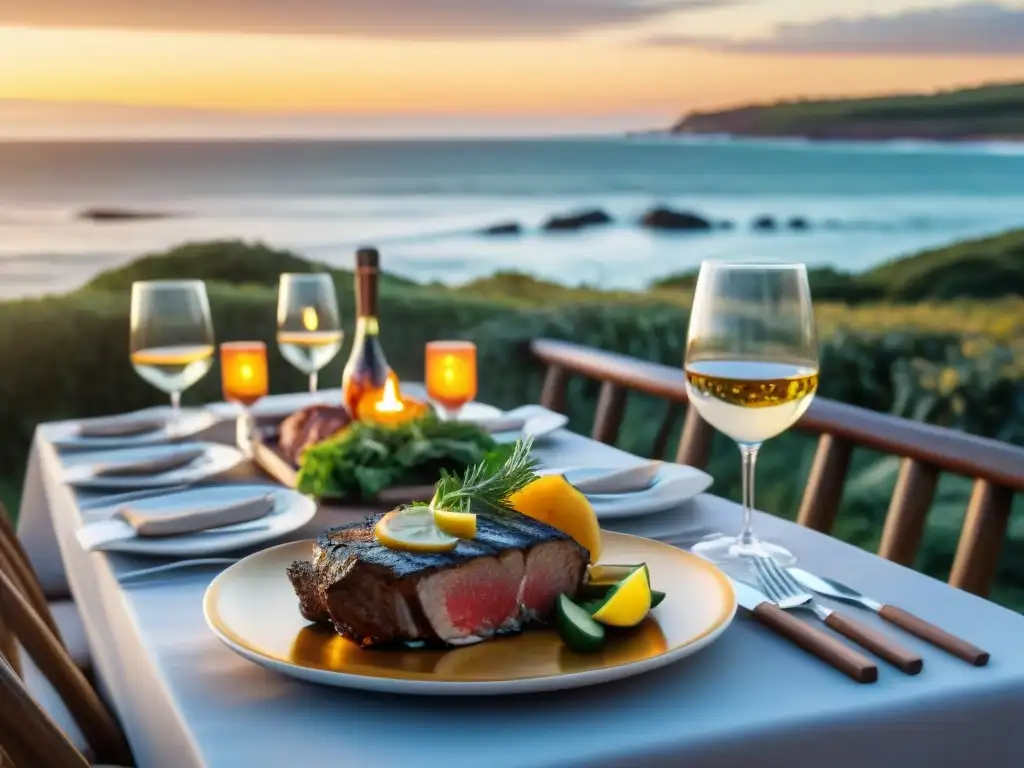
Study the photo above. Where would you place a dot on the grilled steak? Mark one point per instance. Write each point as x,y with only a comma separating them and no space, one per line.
308,427
508,576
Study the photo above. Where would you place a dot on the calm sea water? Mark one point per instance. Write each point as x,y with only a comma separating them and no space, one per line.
421,202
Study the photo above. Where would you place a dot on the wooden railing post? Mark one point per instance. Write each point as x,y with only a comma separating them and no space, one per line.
824,488
981,540
695,441
665,430
908,511
611,405
552,395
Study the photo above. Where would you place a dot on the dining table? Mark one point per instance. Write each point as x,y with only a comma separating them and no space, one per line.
750,698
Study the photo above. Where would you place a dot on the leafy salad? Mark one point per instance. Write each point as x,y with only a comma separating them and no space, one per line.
366,458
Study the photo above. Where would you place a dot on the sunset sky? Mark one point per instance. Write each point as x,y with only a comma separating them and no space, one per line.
72,68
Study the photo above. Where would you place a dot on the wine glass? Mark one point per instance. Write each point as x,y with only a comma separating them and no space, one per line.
751,372
451,375
308,325
171,343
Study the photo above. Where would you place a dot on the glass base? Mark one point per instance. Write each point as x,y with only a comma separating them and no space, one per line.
731,550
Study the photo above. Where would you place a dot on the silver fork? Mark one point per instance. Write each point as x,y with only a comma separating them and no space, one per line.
784,590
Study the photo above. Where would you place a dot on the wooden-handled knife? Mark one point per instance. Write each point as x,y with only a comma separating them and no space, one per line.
827,648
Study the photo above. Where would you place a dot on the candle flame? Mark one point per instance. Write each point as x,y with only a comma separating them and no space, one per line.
310,321
389,401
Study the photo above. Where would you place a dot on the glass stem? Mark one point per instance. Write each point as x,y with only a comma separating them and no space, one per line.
313,381
176,401
243,432
748,455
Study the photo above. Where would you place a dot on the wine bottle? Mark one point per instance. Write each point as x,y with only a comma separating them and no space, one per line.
367,369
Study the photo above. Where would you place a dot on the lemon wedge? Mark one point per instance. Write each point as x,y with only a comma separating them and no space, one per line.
413,530
460,524
628,603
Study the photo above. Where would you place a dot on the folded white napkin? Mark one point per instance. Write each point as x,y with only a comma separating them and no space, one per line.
130,523
610,482
153,466
500,424
120,427
629,480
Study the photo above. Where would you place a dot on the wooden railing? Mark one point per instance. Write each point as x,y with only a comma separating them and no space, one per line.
926,451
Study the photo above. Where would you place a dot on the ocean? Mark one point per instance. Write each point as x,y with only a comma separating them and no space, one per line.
423,202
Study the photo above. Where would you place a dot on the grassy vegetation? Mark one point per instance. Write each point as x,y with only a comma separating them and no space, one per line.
984,268
234,262
957,363
987,112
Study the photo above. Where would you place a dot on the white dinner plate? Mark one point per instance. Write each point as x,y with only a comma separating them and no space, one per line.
216,459
190,422
674,484
291,511
253,609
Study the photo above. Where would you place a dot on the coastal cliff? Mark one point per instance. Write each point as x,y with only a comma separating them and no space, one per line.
987,113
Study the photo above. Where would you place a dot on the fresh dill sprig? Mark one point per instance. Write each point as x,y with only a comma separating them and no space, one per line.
487,484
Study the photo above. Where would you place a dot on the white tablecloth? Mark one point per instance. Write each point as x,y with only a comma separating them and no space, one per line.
749,699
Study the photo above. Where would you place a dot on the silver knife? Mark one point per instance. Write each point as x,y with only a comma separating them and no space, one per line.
824,646
901,618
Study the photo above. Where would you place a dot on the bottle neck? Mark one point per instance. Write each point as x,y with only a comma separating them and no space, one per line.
366,292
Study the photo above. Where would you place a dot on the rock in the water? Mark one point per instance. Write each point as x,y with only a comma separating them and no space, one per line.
666,218
764,223
725,224
504,228
120,214
577,220
799,222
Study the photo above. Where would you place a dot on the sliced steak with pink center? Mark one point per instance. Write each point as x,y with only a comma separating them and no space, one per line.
509,575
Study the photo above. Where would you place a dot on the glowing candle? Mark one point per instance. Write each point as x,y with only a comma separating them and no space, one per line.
451,374
387,406
243,371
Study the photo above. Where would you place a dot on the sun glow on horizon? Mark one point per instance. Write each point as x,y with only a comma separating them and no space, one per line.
580,76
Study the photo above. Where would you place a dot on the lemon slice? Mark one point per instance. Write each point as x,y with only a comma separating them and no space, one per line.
460,524
628,603
413,530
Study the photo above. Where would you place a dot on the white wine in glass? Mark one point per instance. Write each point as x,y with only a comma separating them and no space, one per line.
308,325
751,372
171,340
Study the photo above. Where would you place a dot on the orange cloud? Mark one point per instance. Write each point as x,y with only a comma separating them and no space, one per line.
403,19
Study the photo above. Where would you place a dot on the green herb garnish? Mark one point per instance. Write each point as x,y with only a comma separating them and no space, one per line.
488,484
367,458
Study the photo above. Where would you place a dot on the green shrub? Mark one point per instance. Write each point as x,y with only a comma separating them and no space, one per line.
982,268
827,284
227,261
978,269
